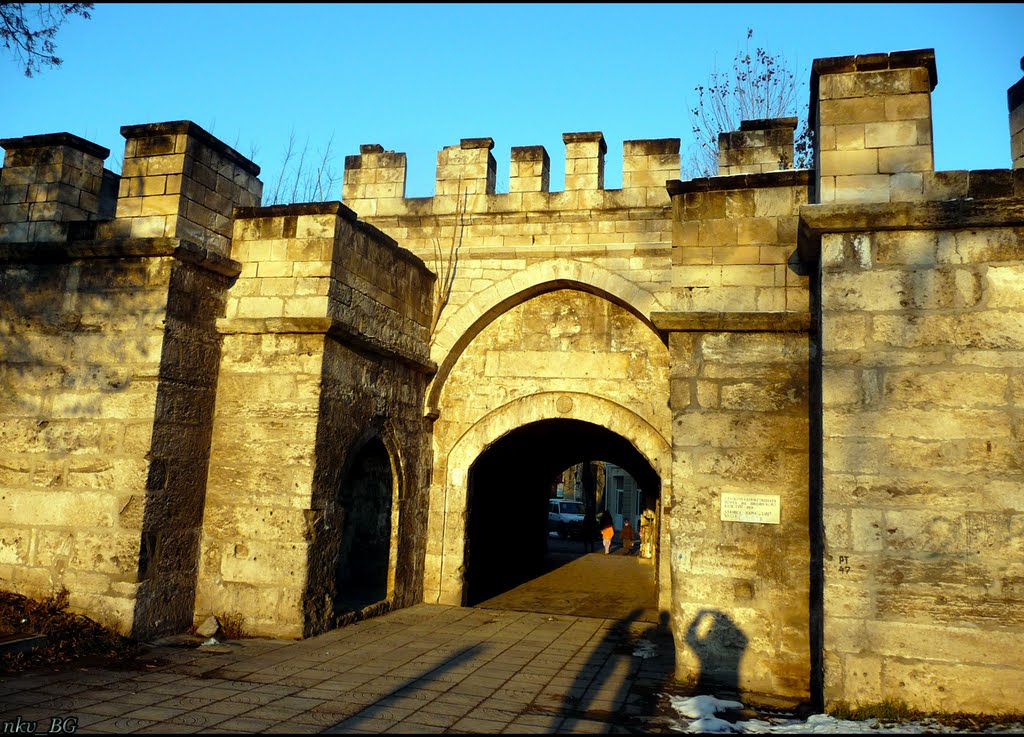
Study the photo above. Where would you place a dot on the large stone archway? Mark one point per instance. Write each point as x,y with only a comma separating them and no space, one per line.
456,332
449,503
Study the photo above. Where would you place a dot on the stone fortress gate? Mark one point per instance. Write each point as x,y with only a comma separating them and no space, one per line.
315,412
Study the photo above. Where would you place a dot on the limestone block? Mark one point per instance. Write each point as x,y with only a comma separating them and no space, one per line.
14,546
974,247
861,188
916,106
716,233
887,134
748,275
1004,287
911,422
974,389
851,110
905,159
998,536
282,564
110,552
867,290
849,162
83,509
863,682
761,397
935,685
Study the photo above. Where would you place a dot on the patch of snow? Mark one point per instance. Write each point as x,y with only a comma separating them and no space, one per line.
698,707
697,715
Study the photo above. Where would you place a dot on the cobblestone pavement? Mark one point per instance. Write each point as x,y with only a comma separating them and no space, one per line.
425,669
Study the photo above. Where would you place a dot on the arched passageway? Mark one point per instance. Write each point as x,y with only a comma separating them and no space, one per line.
361,573
510,483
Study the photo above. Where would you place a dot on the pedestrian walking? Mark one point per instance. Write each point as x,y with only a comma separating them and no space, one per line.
607,531
589,531
627,538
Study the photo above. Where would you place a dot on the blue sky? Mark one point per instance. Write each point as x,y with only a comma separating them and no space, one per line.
416,78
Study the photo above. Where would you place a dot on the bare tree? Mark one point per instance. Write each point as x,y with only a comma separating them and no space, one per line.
28,31
446,259
760,85
306,182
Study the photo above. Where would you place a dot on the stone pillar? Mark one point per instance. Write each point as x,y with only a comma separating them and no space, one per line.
740,421
647,165
372,176
178,181
584,160
468,168
46,182
329,319
1015,101
758,146
873,125
530,170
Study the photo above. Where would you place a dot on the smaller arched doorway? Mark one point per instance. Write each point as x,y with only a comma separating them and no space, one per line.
508,537
362,570
446,570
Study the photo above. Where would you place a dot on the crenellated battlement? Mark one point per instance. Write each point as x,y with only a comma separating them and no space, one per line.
374,182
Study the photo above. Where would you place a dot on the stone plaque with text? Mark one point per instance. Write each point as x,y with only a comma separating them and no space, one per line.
762,508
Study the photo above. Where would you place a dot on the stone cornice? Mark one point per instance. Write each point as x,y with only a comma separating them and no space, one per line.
189,128
876,62
816,220
328,327
781,178
110,248
51,140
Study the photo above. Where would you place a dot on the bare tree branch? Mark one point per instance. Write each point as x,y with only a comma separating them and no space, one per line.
760,85
446,264
28,30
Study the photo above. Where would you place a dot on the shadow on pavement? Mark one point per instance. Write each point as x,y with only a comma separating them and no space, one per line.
621,680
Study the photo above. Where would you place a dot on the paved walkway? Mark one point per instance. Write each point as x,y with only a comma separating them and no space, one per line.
428,668
594,585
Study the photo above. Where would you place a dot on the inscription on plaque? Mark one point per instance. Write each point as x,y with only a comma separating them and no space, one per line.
762,508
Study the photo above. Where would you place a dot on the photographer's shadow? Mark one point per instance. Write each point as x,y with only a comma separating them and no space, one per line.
719,645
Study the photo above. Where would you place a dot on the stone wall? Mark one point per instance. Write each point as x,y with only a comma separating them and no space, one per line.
325,348
758,146
47,183
739,357
843,347
740,607
109,366
605,252
921,293
922,447
734,242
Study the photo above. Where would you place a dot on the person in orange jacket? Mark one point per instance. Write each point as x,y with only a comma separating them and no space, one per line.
607,531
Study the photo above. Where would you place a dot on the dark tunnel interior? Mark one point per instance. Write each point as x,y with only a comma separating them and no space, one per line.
509,487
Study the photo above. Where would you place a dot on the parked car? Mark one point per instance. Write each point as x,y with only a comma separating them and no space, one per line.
565,517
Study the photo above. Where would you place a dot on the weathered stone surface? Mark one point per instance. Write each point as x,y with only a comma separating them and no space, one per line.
186,436
922,460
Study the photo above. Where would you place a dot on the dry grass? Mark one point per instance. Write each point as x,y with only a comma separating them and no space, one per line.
895,710
232,626
70,637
